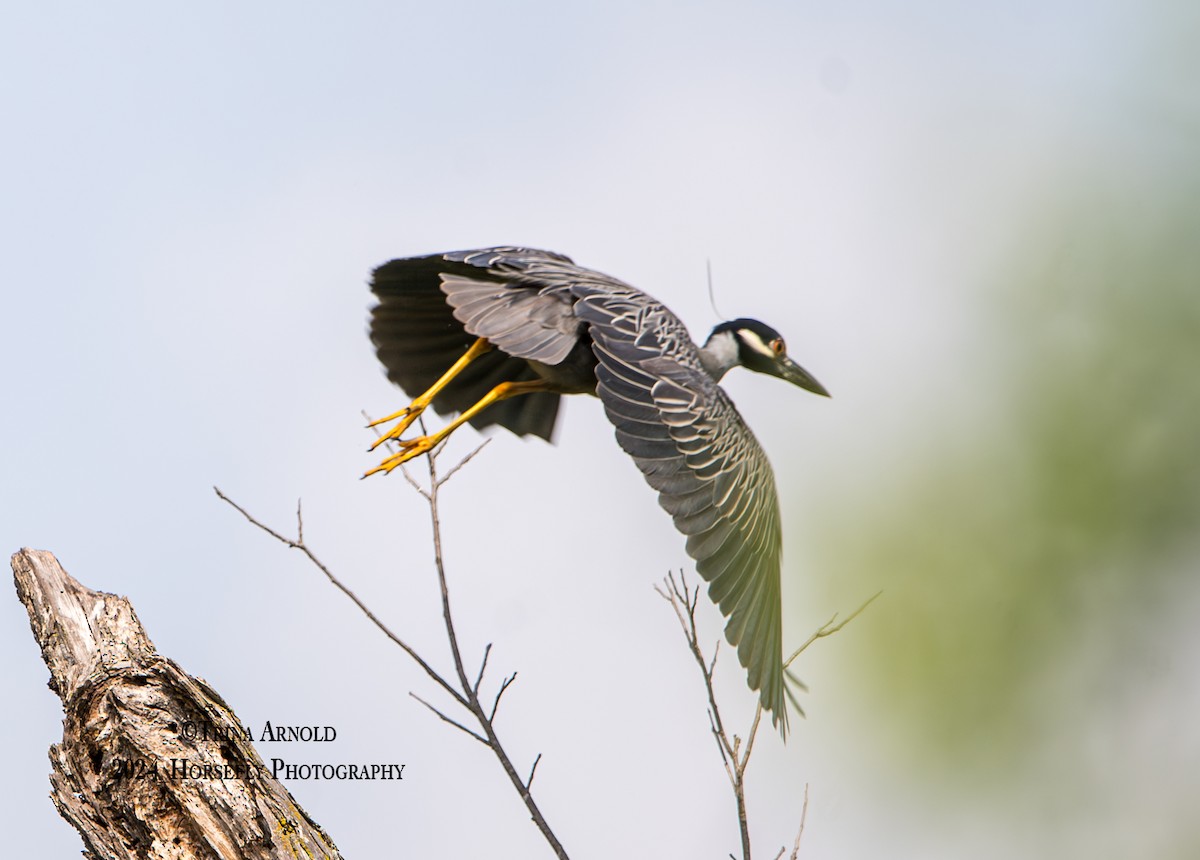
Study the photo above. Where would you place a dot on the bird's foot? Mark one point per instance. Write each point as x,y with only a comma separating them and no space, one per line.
407,416
409,448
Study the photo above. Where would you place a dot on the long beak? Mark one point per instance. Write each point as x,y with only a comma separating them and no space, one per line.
797,375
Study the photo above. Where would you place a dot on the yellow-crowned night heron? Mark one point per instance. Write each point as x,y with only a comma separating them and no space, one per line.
468,331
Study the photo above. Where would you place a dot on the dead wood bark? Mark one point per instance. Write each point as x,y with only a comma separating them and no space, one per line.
153,763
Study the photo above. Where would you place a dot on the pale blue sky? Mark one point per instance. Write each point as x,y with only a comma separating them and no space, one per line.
193,200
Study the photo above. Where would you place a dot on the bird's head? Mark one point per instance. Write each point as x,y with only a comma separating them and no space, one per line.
758,347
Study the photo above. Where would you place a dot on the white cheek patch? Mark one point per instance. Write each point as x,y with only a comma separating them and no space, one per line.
756,343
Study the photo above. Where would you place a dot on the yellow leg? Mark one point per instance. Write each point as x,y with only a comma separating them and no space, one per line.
413,411
410,448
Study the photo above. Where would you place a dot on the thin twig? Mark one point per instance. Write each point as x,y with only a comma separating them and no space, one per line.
413,482
463,462
751,736
684,602
803,817
829,628
452,722
487,649
826,629
532,771
504,685
721,748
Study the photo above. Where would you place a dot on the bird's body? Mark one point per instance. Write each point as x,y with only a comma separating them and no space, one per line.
516,321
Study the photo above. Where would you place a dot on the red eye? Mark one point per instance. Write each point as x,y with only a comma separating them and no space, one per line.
778,347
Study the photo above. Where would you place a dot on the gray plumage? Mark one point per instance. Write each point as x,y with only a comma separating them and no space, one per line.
585,332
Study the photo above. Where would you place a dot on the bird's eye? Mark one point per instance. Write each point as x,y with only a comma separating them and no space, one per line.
778,347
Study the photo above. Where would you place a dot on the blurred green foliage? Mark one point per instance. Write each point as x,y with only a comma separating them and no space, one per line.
1007,541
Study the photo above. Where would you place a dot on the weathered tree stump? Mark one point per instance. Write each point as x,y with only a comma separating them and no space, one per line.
153,763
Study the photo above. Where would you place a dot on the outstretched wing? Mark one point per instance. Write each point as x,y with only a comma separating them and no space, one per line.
712,476
431,309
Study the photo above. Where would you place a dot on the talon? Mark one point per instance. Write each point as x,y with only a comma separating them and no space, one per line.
411,448
393,416
407,416
415,447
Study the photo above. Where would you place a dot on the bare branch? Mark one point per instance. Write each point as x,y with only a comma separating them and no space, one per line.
829,628
826,629
804,813
473,703
684,600
295,544
452,722
412,482
750,739
721,748
735,753
466,694
463,462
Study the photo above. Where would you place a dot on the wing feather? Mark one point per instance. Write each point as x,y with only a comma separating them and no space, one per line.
712,476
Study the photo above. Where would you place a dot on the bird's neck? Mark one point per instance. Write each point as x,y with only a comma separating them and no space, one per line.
719,354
